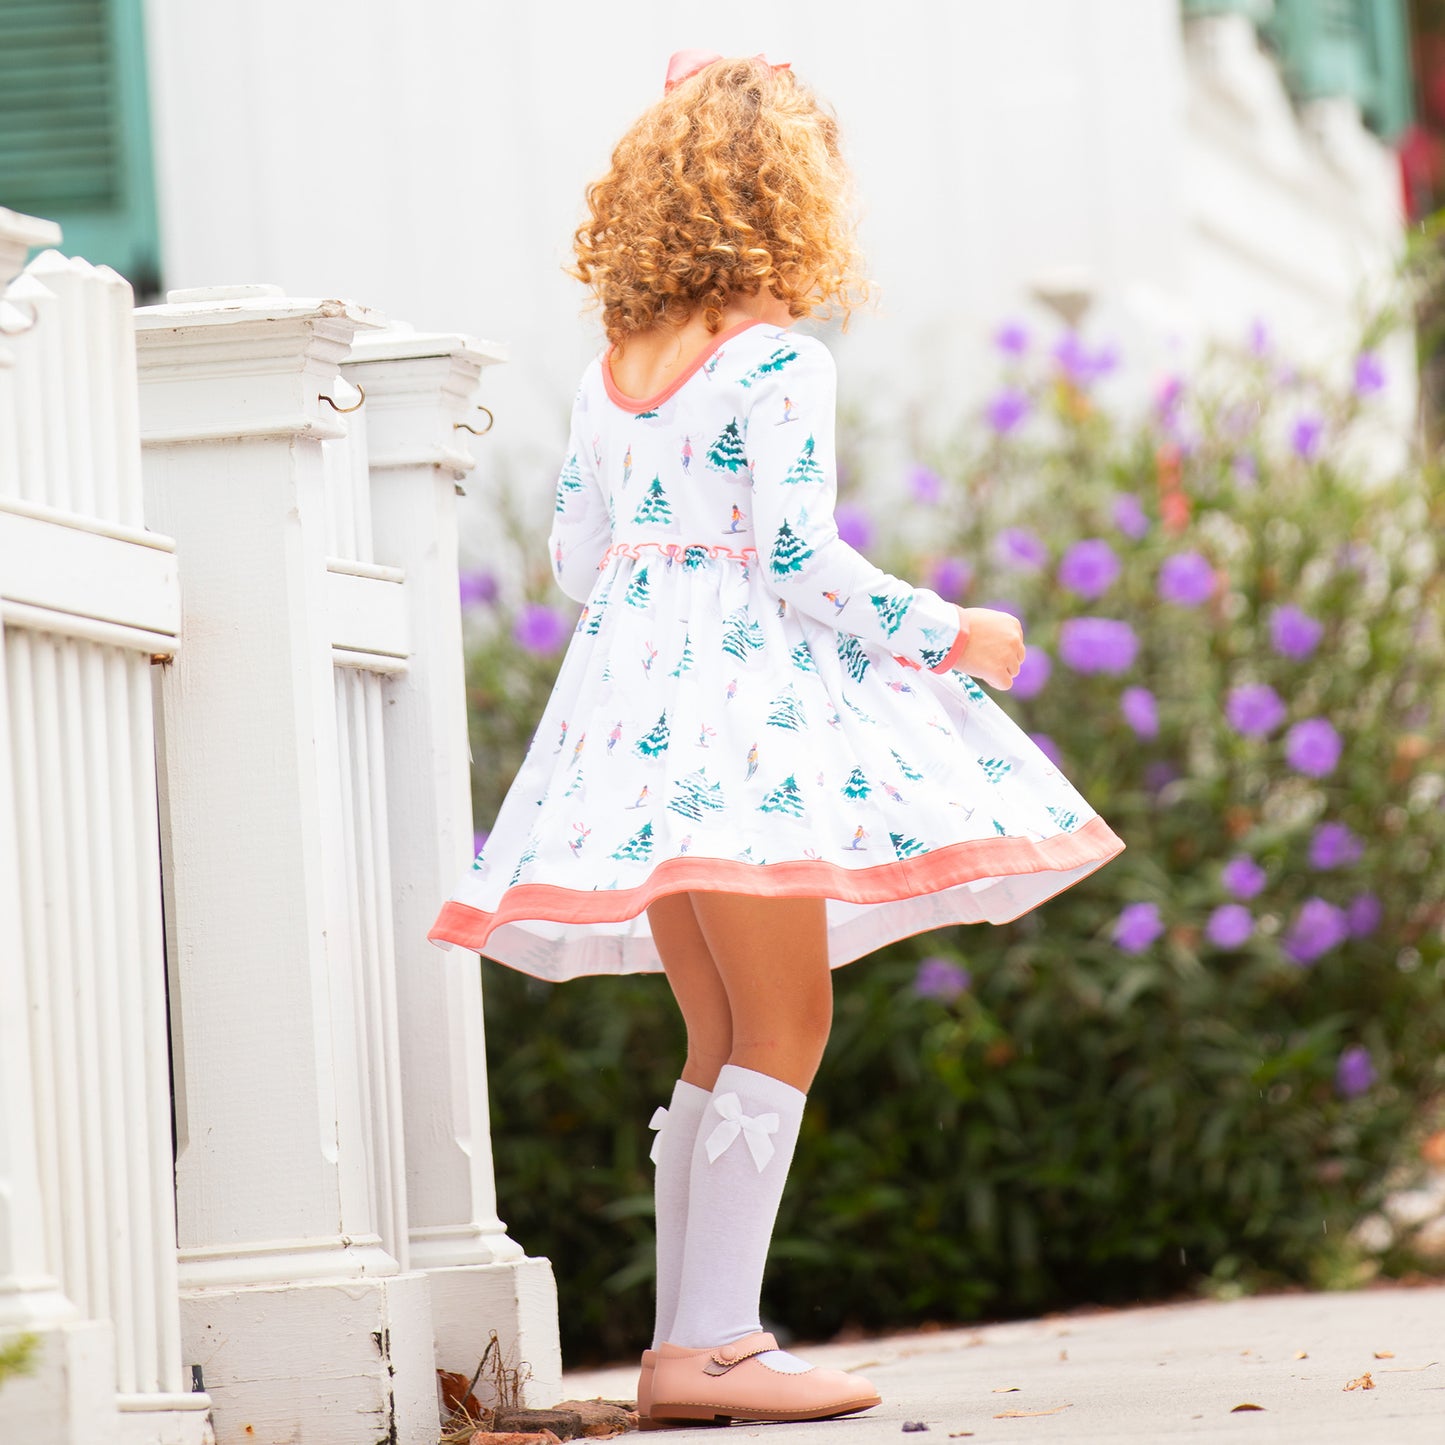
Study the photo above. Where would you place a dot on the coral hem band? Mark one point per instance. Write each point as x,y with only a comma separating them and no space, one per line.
960,863
633,404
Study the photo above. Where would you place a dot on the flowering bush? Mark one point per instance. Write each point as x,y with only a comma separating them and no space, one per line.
1176,1072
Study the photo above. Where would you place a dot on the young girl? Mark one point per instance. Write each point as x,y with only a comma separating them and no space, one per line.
763,757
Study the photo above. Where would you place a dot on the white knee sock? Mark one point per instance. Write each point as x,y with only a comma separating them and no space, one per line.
740,1163
672,1154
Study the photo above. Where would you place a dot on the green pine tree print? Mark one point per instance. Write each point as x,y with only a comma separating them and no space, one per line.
932,656
696,795
999,828
790,551
654,507
1066,819
806,469
856,710
527,856
785,798
907,847
638,848
803,658
787,711
741,635
639,589
685,662
995,768
972,689
857,785
726,453
775,363
907,769
852,656
891,611
568,482
694,557
655,742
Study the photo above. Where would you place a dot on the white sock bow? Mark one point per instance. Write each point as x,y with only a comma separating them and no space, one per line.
659,1117
756,1130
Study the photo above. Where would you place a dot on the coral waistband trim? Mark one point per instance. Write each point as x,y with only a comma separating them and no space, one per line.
960,863
674,551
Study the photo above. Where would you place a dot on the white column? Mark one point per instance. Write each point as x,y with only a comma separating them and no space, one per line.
420,389
305,1324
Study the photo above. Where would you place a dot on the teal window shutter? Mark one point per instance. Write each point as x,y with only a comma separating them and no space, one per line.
1254,9
75,137
1356,48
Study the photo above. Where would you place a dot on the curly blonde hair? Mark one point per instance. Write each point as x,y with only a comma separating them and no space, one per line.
731,182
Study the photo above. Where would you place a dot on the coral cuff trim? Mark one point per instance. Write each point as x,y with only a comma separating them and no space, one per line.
632,404
960,863
955,653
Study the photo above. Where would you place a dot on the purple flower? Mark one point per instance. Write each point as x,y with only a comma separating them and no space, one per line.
1294,633
854,525
1089,568
1229,926
1363,915
1097,644
1334,846
1018,548
1317,928
1081,365
951,577
1006,604
1255,710
478,588
1033,673
1012,338
1258,337
1355,1072
1129,516
479,841
1159,774
540,628
1007,409
1243,877
1140,711
1313,747
1369,374
1169,395
1137,926
941,979
925,485
1305,436
1245,469
1046,745
1186,579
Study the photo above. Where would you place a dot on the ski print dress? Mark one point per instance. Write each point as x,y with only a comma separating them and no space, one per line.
747,704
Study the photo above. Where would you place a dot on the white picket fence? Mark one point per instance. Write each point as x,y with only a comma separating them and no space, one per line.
245,1166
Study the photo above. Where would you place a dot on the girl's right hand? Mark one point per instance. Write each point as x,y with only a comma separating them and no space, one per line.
995,650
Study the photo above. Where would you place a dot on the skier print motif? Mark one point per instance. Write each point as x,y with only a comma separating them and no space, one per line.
770,712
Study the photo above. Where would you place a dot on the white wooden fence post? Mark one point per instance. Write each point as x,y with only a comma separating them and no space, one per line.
87,596
289,1196
419,389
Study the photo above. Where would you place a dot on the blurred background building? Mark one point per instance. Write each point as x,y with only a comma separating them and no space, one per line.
1164,171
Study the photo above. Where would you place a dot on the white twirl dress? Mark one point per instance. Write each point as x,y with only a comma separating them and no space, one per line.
747,704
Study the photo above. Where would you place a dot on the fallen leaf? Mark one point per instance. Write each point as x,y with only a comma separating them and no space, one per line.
958,1434
1030,1414
1363,1383
1063,1354
1005,1389
1406,1369
1246,1406
1384,1354
1301,1354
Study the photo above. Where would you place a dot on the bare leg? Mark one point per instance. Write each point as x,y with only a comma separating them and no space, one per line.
771,956
696,985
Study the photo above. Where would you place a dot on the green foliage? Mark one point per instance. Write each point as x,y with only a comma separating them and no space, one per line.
1088,1119
17,1355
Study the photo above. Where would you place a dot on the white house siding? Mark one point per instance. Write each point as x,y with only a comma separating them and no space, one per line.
430,159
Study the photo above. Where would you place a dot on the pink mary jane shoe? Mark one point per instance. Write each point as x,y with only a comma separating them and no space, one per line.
729,1382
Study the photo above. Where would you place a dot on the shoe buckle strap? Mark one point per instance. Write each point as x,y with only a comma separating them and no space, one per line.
725,1357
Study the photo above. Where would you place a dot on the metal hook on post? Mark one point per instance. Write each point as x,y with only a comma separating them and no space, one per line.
355,406
467,426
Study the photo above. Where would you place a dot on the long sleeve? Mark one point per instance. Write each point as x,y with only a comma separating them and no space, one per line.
581,524
790,448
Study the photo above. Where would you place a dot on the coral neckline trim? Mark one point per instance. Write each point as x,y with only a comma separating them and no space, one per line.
635,404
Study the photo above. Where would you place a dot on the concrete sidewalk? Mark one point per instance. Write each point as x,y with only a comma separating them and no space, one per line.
1149,1374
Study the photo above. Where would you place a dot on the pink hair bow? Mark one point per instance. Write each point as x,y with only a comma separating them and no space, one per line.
688,62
